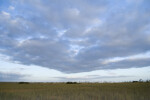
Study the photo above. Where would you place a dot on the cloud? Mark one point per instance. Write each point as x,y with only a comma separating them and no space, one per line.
76,35
11,77
88,78
131,58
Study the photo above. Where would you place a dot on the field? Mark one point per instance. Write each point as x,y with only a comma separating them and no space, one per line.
82,91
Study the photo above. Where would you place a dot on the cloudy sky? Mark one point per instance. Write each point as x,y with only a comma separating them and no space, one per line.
74,40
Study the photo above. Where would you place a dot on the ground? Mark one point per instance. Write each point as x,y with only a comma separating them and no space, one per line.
76,91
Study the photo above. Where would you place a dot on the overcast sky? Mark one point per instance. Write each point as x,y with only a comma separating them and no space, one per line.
74,40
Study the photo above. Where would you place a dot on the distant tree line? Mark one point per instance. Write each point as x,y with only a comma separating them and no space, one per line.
71,83
140,81
23,82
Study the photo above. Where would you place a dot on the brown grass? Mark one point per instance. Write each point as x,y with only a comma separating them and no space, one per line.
83,91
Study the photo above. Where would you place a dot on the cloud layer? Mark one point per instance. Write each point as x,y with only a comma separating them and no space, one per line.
11,77
76,35
94,78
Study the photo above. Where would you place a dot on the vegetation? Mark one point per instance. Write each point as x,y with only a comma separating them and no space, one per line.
71,82
82,91
23,82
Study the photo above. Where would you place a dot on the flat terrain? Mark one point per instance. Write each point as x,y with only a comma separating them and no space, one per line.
82,91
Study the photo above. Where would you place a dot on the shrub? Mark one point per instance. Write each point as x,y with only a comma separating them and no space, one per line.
23,82
71,82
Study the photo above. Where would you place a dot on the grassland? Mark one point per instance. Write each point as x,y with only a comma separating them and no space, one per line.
82,91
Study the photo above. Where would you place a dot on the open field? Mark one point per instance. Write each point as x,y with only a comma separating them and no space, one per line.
82,91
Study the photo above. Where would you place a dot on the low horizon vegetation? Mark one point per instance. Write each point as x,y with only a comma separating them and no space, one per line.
76,82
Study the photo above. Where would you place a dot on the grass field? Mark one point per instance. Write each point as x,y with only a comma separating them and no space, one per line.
82,91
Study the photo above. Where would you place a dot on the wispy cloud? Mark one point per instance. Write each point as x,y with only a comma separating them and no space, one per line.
89,78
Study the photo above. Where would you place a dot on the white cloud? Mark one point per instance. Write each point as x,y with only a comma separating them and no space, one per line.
73,12
5,14
11,8
74,49
133,57
94,24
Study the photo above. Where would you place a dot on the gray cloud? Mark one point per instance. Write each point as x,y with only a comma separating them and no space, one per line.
11,77
75,35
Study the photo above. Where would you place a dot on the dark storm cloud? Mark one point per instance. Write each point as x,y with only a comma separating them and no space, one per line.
75,35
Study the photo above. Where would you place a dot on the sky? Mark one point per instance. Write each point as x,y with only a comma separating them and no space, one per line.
74,40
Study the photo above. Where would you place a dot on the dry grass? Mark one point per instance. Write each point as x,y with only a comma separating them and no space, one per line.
83,91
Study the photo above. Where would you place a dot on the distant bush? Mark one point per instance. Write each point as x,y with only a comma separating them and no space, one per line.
141,81
23,82
135,81
147,81
71,82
